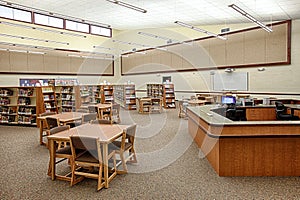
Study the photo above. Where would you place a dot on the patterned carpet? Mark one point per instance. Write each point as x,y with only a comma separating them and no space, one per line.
169,167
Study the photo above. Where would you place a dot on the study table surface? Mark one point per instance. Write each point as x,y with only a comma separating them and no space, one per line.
246,148
105,132
64,118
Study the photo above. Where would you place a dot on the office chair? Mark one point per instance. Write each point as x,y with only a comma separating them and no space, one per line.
235,114
281,113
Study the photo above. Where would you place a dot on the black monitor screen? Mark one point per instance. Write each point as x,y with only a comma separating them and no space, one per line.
228,100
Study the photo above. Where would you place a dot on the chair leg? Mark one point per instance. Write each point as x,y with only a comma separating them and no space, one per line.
123,162
133,158
100,183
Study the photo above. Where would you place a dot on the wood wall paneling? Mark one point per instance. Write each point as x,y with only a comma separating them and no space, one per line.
50,63
18,61
4,61
235,49
248,47
35,63
276,44
76,64
255,47
64,64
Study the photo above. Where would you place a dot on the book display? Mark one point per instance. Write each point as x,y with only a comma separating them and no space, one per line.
125,96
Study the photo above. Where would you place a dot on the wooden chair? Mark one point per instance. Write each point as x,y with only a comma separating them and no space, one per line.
88,117
100,121
105,113
45,126
93,109
52,122
126,145
91,158
63,153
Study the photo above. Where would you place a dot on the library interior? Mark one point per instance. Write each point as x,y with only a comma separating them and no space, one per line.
172,99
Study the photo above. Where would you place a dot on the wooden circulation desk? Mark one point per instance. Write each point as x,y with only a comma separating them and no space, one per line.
246,148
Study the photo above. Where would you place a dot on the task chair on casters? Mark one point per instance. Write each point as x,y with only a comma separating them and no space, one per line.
281,113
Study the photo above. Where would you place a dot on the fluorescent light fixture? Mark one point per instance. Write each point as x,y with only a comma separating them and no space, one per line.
200,30
34,39
121,3
161,48
250,17
17,51
169,40
130,43
36,52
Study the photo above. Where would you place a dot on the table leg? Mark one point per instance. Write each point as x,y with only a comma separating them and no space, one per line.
105,162
41,131
51,146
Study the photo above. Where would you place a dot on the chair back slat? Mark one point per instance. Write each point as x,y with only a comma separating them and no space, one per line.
59,129
47,114
84,143
89,117
100,121
52,122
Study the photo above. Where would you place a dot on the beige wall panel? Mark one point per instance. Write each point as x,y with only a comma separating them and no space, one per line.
50,63
166,59
18,62
217,51
176,62
126,62
139,61
204,55
4,61
235,49
35,63
155,58
87,66
108,68
147,58
77,63
277,44
64,64
255,46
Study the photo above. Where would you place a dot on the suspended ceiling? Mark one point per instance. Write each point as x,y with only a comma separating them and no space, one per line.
163,13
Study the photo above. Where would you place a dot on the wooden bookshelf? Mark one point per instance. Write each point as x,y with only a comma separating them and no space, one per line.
68,98
169,96
49,99
125,96
107,93
19,105
165,91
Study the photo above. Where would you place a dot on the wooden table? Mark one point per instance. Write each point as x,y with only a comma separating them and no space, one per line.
105,132
64,118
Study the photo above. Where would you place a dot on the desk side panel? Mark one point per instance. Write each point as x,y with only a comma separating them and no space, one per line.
208,145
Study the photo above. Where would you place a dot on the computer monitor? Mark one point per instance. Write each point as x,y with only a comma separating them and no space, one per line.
228,100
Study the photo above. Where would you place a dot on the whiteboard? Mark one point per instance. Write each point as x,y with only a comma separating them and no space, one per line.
230,81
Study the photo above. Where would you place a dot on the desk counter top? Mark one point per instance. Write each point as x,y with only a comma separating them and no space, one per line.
246,148
205,112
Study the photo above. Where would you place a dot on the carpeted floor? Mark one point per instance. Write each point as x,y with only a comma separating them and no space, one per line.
169,167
